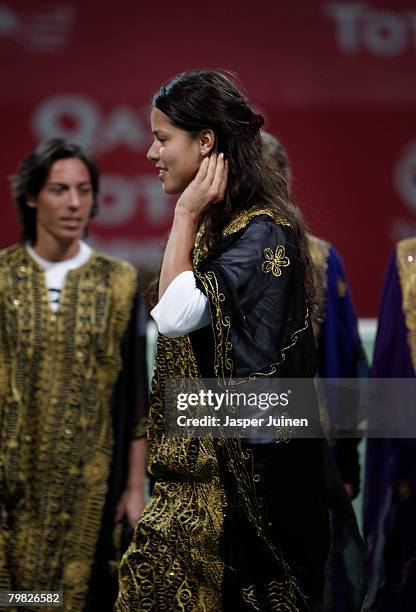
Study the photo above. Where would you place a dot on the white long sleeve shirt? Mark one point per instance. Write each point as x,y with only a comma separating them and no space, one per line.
183,308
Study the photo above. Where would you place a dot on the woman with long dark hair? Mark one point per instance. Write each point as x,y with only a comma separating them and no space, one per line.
232,524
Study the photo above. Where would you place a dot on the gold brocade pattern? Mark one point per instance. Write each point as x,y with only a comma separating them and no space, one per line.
406,265
223,362
200,248
319,250
279,596
173,562
275,261
57,376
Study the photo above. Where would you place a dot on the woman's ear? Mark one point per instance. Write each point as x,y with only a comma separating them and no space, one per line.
31,202
207,142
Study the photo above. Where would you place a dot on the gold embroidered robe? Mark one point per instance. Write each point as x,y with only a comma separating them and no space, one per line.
57,373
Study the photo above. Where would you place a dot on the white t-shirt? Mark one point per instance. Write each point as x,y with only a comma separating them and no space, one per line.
56,271
183,307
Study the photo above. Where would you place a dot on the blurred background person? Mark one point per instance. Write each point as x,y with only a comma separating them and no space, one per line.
72,384
340,355
340,352
390,490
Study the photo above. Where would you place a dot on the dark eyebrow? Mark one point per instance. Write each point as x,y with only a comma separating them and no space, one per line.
58,184
157,133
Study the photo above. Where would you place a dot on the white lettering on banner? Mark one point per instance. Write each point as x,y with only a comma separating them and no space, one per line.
67,116
81,119
386,33
123,126
404,176
46,29
10,23
117,200
121,197
382,33
346,17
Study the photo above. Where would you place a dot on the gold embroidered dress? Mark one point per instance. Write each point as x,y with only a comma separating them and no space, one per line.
57,373
209,539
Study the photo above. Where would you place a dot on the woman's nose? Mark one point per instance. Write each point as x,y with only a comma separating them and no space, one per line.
74,199
152,154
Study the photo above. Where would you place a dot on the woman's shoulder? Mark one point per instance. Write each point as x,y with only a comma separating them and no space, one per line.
249,232
255,216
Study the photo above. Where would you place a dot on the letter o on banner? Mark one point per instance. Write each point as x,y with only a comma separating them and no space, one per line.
405,176
67,116
385,33
117,200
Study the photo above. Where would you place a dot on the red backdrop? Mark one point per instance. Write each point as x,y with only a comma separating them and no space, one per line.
335,81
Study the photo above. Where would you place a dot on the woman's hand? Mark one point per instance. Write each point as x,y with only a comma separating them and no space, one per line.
132,505
208,186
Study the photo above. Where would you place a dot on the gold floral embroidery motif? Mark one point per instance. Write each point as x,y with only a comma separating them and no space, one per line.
275,261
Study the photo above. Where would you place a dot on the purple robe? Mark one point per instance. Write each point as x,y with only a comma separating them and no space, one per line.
390,499
340,355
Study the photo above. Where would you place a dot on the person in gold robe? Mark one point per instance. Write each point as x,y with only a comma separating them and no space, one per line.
72,388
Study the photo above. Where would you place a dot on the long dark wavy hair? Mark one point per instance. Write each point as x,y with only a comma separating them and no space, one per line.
33,174
210,99
277,154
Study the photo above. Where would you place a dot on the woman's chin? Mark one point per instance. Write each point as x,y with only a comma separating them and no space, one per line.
171,189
